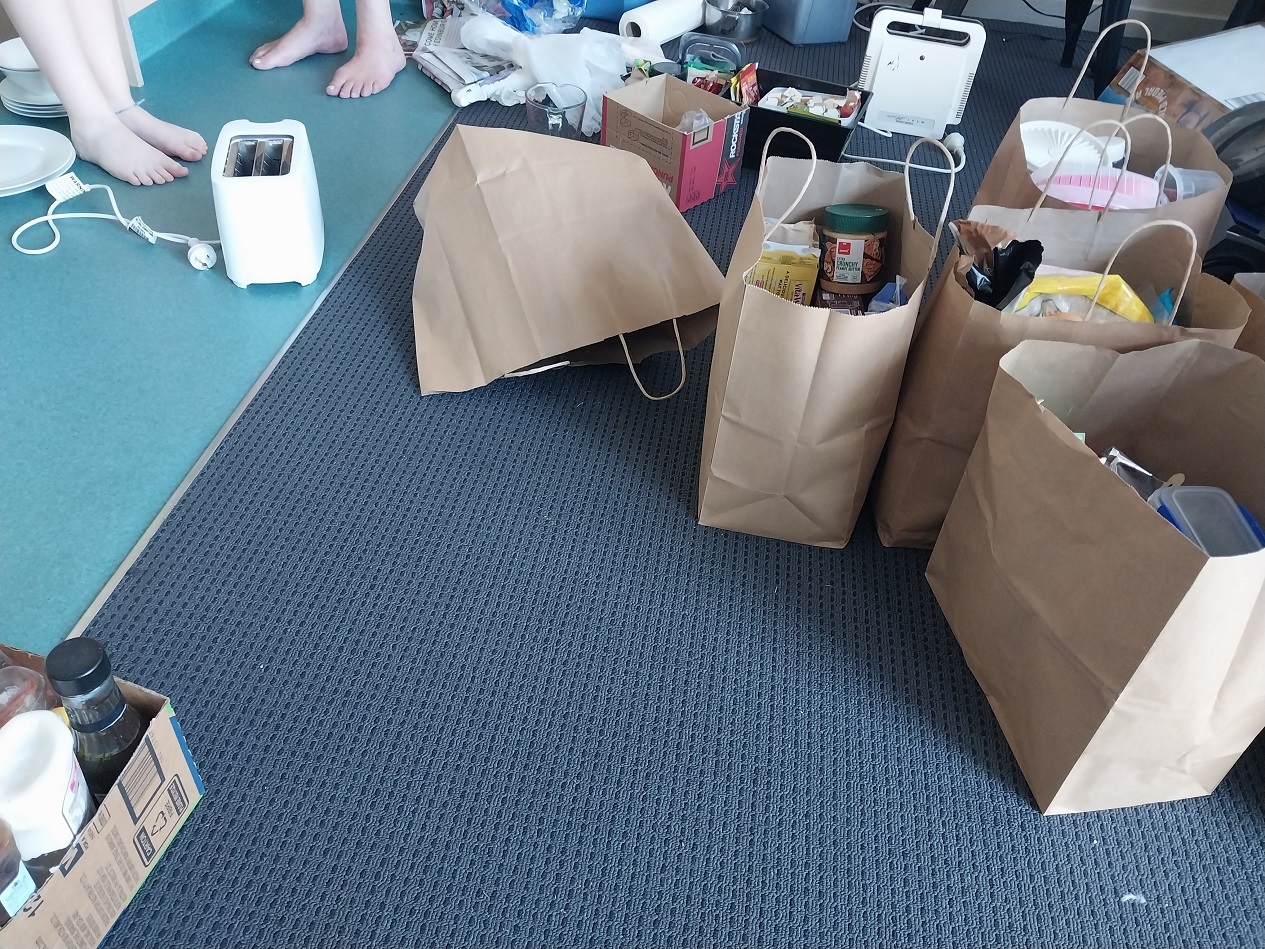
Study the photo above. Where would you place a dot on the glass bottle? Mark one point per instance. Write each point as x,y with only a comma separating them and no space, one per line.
107,729
16,885
23,690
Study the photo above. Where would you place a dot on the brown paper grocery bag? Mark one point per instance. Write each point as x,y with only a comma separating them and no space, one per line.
534,247
1008,183
800,399
1124,665
1251,287
954,354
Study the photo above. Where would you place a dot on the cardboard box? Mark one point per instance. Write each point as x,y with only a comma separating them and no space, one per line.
692,167
116,850
1196,82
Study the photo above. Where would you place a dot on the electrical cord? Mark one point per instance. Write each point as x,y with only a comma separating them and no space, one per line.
954,142
68,186
1057,16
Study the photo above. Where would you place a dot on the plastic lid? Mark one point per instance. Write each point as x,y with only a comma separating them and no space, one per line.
1209,517
855,218
77,666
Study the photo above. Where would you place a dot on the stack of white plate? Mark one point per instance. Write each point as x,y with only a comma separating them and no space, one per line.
24,90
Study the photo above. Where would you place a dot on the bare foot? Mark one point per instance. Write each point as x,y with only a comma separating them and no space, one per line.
323,35
118,150
171,139
370,70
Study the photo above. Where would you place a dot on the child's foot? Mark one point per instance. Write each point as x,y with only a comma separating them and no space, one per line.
122,153
171,139
370,70
327,35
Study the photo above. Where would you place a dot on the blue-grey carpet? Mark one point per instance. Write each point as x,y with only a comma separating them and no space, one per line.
464,671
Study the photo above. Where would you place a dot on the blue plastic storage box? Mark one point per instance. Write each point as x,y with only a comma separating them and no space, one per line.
803,22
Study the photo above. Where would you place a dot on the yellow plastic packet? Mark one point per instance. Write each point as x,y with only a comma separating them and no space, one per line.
1069,296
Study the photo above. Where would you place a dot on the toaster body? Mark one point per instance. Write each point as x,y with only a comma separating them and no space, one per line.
267,206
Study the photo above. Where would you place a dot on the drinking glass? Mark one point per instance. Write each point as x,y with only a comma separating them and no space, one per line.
556,110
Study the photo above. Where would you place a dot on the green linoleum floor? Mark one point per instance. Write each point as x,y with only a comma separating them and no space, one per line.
118,361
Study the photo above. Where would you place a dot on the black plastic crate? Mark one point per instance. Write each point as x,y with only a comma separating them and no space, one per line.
829,139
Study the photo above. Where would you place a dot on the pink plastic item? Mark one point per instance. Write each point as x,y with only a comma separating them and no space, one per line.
1079,186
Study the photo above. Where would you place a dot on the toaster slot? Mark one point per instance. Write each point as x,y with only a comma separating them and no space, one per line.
251,157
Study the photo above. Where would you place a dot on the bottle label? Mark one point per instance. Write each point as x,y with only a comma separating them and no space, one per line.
13,896
76,806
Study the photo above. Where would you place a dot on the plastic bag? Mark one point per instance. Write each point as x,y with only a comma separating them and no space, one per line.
591,60
537,17
693,121
1068,295
1004,273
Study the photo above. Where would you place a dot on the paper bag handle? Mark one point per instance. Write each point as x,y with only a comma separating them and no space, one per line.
764,165
637,379
1102,156
1190,266
948,195
1168,132
1146,58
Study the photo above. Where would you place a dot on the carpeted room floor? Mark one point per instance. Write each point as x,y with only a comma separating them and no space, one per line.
463,670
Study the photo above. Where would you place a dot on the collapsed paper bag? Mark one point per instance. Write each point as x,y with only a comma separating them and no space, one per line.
1124,665
535,246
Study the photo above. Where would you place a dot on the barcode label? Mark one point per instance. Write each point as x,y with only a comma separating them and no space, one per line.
1129,81
141,780
1238,102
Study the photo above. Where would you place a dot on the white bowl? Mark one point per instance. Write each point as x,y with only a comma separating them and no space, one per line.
15,57
28,85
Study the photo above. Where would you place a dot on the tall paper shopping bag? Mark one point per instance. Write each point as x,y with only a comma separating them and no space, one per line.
800,398
954,354
1125,665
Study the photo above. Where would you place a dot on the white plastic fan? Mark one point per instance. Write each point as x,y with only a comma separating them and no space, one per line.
1044,142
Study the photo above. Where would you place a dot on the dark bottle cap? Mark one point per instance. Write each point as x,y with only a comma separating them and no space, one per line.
77,666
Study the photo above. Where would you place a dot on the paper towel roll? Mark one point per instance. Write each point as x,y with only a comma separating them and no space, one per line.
662,20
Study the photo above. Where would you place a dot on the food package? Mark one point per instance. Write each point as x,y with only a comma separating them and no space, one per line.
1068,295
789,262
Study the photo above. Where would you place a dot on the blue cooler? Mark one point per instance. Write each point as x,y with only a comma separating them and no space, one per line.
802,22
611,9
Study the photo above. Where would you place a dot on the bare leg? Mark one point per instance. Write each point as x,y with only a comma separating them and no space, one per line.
99,136
319,30
98,37
378,54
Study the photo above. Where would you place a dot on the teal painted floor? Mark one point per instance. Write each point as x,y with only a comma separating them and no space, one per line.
118,361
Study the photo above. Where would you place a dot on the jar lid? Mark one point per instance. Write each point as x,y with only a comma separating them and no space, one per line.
77,666
855,218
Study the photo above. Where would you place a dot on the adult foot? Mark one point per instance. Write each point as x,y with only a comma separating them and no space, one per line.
122,153
324,35
171,139
370,70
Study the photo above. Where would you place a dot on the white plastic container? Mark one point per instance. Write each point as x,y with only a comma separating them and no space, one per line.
43,794
1088,186
267,206
1180,183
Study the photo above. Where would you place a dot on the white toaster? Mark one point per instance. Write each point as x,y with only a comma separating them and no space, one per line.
266,203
